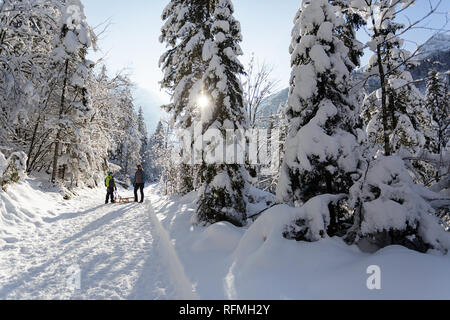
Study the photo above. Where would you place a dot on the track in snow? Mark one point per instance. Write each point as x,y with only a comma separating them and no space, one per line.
111,251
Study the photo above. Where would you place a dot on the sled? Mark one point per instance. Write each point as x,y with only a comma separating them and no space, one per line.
124,200
119,199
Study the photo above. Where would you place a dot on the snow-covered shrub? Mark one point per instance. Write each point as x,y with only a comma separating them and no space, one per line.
390,209
13,169
219,201
313,219
258,202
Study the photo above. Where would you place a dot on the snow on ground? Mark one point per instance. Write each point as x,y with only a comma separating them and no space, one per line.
120,250
151,251
204,252
225,262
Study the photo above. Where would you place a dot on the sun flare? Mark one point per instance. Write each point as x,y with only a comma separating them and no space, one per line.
203,101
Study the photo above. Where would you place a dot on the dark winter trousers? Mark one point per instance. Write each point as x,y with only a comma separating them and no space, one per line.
138,186
109,195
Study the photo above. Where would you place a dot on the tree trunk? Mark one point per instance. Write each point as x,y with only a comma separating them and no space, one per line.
58,135
392,111
386,131
33,139
56,156
387,146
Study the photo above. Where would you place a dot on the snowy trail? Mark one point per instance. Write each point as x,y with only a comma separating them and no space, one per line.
122,252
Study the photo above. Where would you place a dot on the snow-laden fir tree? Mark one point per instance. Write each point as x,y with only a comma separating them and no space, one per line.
187,26
438,104
222,195
322,148
156,143
347,31
144,152
70,61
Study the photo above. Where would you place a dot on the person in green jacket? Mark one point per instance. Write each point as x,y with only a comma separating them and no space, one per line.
110,184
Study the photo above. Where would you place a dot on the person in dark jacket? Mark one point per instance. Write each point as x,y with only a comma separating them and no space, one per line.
110,185
139,183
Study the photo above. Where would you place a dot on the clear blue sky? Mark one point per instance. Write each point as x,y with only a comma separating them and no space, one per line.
131,41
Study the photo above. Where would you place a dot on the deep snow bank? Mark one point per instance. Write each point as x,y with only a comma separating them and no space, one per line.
203,252
23,205
258,263
267,266
28,204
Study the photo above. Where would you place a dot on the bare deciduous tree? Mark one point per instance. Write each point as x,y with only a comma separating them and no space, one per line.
258,85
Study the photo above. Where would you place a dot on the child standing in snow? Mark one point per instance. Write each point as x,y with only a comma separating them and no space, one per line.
110,184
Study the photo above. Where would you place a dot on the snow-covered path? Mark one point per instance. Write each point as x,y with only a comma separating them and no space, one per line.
119,252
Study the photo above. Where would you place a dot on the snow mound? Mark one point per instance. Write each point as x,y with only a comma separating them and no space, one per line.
220,236
23,204
27,205
390,201
265,265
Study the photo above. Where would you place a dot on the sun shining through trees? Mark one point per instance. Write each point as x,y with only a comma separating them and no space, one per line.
203,101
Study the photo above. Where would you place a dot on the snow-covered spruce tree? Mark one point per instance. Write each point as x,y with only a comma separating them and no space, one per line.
187,26
221,197
347,31
144,152
438,104
69,58
156,143
322,149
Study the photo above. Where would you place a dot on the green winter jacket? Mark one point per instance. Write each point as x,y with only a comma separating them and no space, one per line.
110,183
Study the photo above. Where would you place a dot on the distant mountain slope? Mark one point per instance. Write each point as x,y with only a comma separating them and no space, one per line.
438,43
272,103
435,53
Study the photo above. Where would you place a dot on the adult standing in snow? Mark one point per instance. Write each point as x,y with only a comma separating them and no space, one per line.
139,183
110,184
